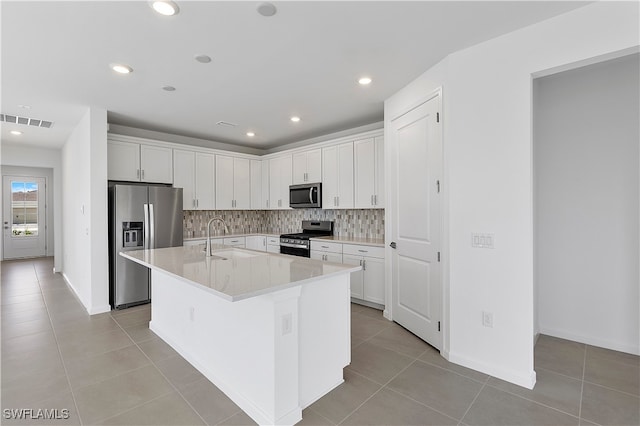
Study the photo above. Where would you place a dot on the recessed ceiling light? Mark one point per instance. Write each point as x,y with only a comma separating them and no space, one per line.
166,7
295,119
121,68
169,88
267,9
203,59
251,134
16,132
364,81
24,106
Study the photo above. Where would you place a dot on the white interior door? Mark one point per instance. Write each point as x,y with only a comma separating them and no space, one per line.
24,217
416,174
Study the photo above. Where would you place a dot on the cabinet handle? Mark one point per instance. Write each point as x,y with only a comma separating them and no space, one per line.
375,200
363,251
142,174
138,174
338,200
267,203
372,200
364,265
324,246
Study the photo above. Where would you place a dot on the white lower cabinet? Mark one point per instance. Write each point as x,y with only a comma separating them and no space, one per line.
367,284
256,242
234,241
273,244
326,251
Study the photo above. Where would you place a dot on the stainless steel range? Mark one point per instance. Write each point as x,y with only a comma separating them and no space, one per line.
298,244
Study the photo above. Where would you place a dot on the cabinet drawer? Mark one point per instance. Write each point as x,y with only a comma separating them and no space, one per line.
326,246
273,241
360,250
237,241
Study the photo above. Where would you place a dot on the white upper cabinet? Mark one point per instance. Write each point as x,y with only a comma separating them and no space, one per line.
205,189
233,183
307,166
128,161
184,177
194,173
337,176
368,173
280,169
259,184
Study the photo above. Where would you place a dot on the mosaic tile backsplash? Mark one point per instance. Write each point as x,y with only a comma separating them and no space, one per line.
359,223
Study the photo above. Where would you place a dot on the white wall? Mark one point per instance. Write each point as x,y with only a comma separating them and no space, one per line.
487,144
84,186
25,157
586,136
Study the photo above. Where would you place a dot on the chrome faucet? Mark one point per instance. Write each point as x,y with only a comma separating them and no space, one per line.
226,231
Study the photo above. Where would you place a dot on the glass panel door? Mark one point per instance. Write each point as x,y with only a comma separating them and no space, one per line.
24,209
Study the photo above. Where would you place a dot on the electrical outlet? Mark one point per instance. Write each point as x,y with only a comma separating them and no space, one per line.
287,325
487,319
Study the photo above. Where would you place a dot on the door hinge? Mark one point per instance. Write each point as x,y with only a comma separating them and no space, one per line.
437,117
438,256
438,325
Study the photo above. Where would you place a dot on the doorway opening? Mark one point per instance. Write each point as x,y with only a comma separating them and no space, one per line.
24,216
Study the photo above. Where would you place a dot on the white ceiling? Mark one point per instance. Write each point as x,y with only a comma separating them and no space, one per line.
305,60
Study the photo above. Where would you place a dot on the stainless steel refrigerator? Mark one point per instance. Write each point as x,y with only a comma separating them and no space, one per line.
140,217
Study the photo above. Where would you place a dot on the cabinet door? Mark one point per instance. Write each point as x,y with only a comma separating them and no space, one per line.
329,177
299,168
256,184
373,279
364,172
184,176
123,161
274,184
256,242
345,176
205,181
265,185
156,164
241,184
357,290
379,200
317,255
279,182
224,182
314,165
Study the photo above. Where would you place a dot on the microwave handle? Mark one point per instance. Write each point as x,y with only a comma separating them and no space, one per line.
311,195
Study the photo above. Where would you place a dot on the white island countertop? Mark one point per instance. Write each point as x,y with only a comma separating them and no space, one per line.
236,274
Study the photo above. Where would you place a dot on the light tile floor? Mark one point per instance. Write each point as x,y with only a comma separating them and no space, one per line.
111,369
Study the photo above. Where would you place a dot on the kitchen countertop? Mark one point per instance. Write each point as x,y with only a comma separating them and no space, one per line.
352,240
236,274
378,242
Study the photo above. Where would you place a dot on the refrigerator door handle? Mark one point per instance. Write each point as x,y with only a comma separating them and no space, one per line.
146,226
152,239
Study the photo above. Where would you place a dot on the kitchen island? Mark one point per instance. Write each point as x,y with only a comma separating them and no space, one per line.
271,331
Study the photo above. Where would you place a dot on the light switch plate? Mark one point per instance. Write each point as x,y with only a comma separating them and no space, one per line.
482,240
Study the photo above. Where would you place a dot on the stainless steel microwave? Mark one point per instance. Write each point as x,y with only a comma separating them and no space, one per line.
305,196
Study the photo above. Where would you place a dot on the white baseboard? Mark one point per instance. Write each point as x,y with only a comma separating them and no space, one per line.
526,379
90,309
591,340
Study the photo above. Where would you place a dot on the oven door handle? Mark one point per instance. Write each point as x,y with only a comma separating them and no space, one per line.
302,246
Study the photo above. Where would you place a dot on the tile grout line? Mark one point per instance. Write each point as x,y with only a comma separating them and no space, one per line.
163,375
318,414
473,401
55,336
584,368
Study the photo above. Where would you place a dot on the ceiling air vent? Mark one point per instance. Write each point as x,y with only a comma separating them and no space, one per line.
25,121
226,123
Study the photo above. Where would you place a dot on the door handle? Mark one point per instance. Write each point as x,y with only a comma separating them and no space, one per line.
152,226
146,225
392,245
310,194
